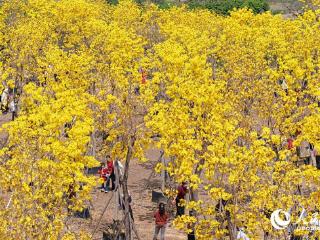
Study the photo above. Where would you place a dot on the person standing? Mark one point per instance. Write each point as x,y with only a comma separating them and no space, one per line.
182,191
161,220
12,106
290,143
112,177
241,235
143,76
71,194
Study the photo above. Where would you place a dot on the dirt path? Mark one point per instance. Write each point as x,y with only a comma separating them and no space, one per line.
4,118
143,208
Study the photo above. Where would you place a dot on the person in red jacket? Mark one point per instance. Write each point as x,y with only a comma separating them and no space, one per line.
143,76
161,220
290,143
182,191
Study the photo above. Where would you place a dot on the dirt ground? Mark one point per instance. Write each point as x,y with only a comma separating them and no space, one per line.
284,6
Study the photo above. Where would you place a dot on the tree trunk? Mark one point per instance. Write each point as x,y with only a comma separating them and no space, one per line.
93,134
232,232
231,228
127,220
163,172
117,188
194,194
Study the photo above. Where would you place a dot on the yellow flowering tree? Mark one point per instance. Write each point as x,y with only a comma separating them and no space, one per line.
234,93
77,63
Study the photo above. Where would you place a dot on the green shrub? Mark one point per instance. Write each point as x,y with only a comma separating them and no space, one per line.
112,2
163,4
218,6
257,6
225,6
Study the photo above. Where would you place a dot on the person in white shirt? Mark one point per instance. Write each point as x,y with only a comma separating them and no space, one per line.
241,235
315,221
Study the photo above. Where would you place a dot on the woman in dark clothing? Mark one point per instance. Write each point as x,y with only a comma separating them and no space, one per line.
182,192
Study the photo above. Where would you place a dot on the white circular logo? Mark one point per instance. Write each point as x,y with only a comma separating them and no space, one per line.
277,222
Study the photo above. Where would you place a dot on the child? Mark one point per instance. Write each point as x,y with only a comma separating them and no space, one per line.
161,219
105,176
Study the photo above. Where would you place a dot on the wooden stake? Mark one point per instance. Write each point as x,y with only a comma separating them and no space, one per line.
125,188
104,210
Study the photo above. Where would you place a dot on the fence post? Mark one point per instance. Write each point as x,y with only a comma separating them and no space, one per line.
163,172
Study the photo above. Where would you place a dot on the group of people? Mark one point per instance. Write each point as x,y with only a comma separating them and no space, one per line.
161,216
107,175
305,151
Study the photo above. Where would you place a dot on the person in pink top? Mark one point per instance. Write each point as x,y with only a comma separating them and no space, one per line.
161,220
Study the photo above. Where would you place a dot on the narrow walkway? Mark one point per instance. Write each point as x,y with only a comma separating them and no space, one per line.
143,208
4,118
